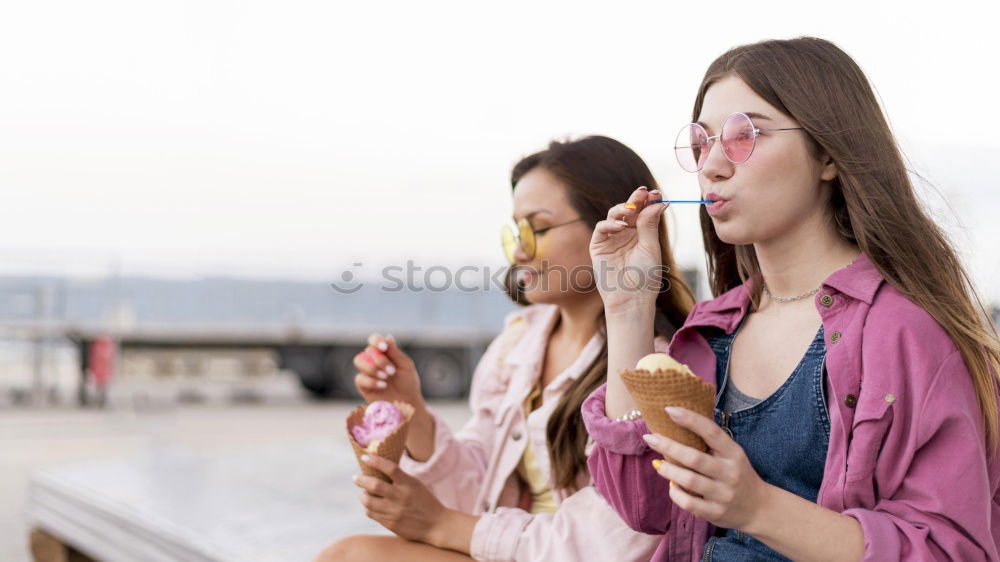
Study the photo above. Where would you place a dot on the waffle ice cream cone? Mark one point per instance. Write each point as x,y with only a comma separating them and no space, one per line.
390,447
668,383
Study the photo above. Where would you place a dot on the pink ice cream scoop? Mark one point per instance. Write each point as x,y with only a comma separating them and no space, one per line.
381,419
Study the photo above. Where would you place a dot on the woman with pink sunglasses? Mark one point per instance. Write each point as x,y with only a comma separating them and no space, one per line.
856,369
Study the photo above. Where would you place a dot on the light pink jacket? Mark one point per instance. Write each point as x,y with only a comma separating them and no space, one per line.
474,470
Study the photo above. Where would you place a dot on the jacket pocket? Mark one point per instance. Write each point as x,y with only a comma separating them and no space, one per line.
868,432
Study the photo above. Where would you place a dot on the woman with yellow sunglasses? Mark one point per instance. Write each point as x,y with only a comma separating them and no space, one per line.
513,483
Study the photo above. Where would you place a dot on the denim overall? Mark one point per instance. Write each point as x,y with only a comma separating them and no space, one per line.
785,436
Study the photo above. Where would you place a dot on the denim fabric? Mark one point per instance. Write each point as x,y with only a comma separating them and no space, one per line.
785,436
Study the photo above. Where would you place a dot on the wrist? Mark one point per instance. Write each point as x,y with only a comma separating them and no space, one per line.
423,421
421,411
639,309
757,522
420,439
438,533
633,324
452,530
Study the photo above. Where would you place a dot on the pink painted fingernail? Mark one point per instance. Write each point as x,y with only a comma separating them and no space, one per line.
365,458
368,358
621,223
383,346
382,375
675,412
643,187
651,439
390,369
381,384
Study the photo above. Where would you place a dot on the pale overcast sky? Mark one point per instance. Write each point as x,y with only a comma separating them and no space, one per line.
292,139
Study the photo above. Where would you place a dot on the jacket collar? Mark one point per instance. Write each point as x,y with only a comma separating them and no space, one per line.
529,351
724,311
860,281
539,319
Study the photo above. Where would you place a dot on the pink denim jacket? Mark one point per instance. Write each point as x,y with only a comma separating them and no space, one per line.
474,470
906,458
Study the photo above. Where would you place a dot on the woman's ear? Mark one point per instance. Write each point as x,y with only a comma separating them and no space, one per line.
829,171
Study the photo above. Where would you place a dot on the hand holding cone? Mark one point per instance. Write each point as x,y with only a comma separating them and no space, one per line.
659,381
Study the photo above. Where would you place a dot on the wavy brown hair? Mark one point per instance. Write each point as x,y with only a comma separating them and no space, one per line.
874,204
598,173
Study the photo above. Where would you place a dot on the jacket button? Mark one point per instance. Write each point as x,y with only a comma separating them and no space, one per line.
850,400
835,337
516,436
890,398
826,300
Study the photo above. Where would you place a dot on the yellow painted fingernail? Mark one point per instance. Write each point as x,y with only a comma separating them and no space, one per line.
657,464
630,206
672,484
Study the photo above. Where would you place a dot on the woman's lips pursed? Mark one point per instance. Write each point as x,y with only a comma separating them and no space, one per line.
718,206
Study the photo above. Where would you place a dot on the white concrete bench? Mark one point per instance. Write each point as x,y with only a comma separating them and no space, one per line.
278,503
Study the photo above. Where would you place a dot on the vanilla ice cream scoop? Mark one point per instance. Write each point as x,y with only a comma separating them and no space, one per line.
661,362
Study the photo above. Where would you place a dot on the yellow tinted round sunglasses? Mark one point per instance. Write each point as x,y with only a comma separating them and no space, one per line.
526,236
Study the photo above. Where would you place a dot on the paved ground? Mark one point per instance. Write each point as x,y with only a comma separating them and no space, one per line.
34,438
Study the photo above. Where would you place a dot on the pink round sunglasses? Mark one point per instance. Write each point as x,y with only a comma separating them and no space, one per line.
738,138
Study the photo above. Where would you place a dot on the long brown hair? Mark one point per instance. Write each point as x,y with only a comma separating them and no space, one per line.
598,173
874,204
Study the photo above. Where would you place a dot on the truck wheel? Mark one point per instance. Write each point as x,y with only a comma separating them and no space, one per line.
339,371
308,365
442,374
